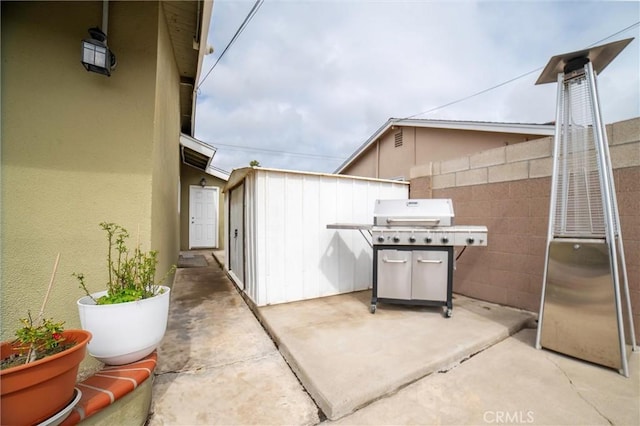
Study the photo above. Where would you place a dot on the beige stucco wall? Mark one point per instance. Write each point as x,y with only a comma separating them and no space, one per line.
394,160
190,176
165,218
421,145
367,164
79,148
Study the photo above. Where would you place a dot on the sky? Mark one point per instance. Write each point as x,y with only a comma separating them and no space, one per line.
309,81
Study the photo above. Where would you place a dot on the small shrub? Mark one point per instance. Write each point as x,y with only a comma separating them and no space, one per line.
131,274
34,342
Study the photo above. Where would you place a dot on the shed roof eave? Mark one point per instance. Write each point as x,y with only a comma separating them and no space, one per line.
238,175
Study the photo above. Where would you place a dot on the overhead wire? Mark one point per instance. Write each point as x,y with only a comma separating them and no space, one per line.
273,151
255,9
241,28
472,95
508,81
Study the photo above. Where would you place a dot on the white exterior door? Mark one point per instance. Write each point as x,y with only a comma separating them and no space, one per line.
203,217
236,233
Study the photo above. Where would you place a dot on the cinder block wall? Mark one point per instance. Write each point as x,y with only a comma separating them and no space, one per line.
508,189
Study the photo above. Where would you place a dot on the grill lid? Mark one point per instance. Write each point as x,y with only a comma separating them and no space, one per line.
414,212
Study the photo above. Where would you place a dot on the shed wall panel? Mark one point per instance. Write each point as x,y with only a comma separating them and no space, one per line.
345,262
329,213
256,235
311,219
290,253
293,260
276,229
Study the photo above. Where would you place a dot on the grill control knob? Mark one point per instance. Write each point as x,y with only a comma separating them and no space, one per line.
381,239
445,240
396,239
412,239
428,240
470,240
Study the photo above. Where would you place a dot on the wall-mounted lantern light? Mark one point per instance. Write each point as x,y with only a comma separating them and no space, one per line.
96,56
203,182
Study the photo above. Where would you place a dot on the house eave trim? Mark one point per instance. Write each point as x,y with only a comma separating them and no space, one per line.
197,145
219,173
205,19
527,129
189,144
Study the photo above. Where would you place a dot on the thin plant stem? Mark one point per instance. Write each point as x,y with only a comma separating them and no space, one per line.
109,263
46,297
31,353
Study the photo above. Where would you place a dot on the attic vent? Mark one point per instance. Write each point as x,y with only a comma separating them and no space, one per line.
398,141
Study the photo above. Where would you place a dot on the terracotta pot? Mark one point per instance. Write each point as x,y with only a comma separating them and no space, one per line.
31,393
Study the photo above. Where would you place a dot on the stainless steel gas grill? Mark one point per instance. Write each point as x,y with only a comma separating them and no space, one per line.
413,256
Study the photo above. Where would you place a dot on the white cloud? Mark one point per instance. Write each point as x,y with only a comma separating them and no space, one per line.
319,77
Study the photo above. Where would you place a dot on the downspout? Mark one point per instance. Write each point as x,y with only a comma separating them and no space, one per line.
198,19
105,18
203,21
378,159
415,146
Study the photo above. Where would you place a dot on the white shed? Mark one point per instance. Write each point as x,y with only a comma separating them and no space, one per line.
278,247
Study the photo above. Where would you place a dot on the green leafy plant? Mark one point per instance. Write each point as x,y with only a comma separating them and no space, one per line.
34,342
131,273
40,338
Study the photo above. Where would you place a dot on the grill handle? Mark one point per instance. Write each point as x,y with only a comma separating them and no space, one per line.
416,220
385,260
429,261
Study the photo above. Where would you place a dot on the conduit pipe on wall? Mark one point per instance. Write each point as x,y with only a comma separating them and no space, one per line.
105,18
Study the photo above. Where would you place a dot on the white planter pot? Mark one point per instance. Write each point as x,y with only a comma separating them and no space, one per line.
124,332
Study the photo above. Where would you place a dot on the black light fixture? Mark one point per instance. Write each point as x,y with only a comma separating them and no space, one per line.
203,182
96,56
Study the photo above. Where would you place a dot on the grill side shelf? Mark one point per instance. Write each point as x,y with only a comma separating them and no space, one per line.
364,229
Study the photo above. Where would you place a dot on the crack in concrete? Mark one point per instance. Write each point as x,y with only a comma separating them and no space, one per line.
456,364
577,391
322,417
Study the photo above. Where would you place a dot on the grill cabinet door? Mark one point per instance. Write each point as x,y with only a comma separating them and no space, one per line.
394,274
429,278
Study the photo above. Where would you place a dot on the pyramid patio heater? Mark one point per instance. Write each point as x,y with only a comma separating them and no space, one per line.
585,300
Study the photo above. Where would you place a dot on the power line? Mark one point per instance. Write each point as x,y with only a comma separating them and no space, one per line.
320,156
247,19
615,34
510,80
472,95
276,152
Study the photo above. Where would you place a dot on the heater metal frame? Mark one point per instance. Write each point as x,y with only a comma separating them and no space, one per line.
582,273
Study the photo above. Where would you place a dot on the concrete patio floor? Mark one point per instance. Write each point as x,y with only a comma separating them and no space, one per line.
513,383
346,357
217,365
403,365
